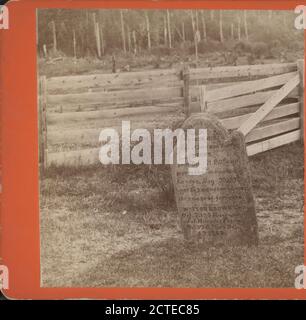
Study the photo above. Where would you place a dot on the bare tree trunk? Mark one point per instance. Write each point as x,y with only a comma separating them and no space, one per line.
148,29
183,32
86,39
246,32
165,32
157,36
239,29
204,26
135,42
232,31
102,40
74,45
54,37
197,25
98,40
196,49
179,33
169,29
122,31
95,32
221,26
192,23
129,39
101,32
195,35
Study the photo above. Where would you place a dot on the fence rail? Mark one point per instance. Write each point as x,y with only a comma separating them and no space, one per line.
265,102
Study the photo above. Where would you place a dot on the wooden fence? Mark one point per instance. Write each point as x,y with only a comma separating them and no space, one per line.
264,102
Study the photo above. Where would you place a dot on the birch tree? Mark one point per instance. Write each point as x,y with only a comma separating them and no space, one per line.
195,34
203,26
238,28
74,45
54,36
122,31
183,31
134,42
221,26
148,29
169,29
165,32
246,32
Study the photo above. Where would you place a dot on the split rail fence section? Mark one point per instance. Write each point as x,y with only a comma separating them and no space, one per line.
264,102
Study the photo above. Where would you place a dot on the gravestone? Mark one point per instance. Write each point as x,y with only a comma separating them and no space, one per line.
217,207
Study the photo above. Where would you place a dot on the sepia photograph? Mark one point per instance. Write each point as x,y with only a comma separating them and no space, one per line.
171,148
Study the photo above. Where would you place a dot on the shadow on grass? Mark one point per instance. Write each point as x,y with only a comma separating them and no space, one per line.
171,263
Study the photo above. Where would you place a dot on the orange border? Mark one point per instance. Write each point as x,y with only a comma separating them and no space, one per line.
20,206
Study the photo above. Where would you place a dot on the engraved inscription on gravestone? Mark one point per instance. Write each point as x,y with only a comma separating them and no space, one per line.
217,207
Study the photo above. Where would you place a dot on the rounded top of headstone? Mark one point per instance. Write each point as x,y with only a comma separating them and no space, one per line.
206,121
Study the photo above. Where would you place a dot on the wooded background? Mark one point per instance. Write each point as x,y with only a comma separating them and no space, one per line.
81,33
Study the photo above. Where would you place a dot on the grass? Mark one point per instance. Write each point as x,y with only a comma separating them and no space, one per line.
117,227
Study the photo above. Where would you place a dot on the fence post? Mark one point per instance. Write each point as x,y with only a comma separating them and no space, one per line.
42,123
40,140
186,79
203,104
300,66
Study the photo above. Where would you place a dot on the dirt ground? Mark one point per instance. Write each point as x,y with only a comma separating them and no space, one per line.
117,227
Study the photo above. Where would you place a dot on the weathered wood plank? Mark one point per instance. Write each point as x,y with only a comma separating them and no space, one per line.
69,117
110,106
164,82
248,87
273,129
272,143
79,136
278,112
241,71
195,88
116,97
170,76
87,137
74,158
267,107
244,101
113,80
